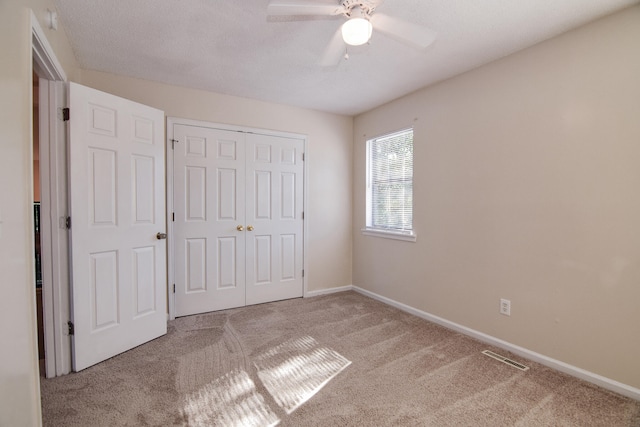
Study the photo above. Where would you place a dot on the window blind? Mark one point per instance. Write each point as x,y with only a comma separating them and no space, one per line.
391,180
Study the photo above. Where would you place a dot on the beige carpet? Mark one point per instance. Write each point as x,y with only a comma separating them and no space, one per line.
336,360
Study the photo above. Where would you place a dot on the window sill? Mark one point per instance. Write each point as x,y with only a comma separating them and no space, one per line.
407,237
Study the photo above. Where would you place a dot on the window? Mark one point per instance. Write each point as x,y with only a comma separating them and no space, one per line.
390,186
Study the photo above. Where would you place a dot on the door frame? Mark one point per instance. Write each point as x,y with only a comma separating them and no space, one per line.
53,174
171,121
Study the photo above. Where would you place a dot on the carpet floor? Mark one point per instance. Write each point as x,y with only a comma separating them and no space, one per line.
336,360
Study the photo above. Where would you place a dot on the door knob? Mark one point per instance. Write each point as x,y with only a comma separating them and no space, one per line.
240,228
250,228
161,236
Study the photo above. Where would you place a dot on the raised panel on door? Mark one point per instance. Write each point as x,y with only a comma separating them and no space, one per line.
103,304
274,194
117,195
144,279
208,169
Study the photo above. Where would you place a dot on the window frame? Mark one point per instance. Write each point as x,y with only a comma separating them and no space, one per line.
369,229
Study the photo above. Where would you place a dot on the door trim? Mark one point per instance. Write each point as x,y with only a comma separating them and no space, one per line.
171,122
55,286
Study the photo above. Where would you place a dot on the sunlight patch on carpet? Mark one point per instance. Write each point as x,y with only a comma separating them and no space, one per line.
231,400
294,371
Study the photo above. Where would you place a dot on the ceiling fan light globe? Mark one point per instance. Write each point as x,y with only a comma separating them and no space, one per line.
356,31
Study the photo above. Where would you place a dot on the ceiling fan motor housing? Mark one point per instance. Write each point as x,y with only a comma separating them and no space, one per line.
358,8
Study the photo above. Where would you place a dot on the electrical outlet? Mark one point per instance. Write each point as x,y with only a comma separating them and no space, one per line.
505,307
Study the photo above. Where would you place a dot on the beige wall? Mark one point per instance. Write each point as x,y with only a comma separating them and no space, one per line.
329,158
19,384
526,187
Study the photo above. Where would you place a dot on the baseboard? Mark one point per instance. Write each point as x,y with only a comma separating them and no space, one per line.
604,382
327,291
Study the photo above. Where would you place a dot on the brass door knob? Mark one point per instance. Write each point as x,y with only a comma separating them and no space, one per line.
250,228
240,228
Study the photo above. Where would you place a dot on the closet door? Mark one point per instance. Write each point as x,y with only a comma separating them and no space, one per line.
209,208
237,218
274,230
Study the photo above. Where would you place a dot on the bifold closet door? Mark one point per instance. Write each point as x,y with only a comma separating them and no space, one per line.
238,228
274,236
209,208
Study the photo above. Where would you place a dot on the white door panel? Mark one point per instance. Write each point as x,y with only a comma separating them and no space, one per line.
208,206
224,180
274,194
117,197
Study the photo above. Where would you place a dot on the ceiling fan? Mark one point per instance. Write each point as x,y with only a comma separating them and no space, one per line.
359,26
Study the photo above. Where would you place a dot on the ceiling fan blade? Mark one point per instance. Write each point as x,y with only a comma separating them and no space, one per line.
405,32
303,7
334,51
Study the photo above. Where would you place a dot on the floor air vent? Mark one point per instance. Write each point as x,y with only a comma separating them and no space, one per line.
505,360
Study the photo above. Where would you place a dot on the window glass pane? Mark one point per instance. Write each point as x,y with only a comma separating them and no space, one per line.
391,180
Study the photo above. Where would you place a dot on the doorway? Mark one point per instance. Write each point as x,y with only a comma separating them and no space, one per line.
36,222
49,166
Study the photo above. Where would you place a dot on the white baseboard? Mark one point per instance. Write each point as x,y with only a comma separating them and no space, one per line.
604,382
328,291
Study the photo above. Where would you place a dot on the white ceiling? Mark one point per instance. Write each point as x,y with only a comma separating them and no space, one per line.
233,47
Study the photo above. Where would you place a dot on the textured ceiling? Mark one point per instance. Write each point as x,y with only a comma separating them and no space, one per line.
233,47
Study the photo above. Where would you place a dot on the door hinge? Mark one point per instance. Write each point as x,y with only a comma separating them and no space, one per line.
65,114
303,157
302,273
173,216
173,143
174,288
67,223
302,214
71,328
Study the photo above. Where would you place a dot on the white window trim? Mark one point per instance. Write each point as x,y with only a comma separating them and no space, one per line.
408,235
389,234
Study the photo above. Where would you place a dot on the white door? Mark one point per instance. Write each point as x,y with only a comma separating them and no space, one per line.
274,194
209,208
238,225
117,197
